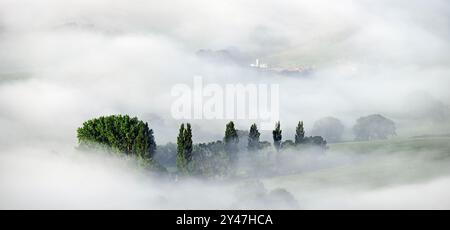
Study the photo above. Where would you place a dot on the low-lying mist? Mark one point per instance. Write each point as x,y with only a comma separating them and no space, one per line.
64,62
39,179
65,178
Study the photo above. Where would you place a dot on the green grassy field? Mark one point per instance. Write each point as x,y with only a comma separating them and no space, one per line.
369,166
439,144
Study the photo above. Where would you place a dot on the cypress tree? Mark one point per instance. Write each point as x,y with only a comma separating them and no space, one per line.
253,138
181,160
231,140
151,139
184,148
276,133
188,143
299,133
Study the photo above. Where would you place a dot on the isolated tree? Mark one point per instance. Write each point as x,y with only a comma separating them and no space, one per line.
231,141
253,138
328,127
373,127
120,134
276,133
299,133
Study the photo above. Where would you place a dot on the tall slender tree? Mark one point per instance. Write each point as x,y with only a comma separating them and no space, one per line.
181,160
299,133
253,138
188,143
231,141
276,133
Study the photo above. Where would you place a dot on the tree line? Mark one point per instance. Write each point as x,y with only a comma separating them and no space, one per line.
128,136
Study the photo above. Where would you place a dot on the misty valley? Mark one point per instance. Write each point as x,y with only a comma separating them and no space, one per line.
240,105
244,164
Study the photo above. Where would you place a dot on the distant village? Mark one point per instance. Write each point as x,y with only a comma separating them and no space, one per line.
260,66
237,58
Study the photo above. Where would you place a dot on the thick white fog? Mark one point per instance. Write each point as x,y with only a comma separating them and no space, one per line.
63,62
38,178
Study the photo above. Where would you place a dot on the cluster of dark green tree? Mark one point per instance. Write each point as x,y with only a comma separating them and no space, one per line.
119,134
217,158
128,136
300,140
207,159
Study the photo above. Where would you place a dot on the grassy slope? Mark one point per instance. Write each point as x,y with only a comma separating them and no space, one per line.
439,144
372,165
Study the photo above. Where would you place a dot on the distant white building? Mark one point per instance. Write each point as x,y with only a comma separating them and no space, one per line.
280,70
257,64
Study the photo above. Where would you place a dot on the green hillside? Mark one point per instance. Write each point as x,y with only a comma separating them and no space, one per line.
367,166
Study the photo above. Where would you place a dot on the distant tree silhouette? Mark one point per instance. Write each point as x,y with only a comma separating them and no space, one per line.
373,127
276,134
328,127
299,133
253,138
231,141
184,148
